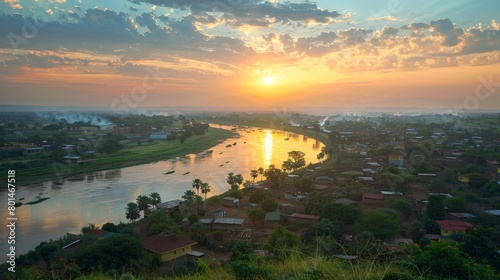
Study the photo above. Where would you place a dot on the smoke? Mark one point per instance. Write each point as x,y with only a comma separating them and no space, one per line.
90,118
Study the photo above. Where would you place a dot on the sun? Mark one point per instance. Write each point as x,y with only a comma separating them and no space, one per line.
268,80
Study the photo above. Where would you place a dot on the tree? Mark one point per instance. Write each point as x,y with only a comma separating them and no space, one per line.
383,226
154,199
316,201
241,250
336,211
455,204
261,172
325,228
143,202
417,231
402,205
132,212
160,221
256,214
320,156
297,158
110,227
254,173
197,185
110,146
281,241
477,180
269,204
435,207
275,176
445,260
197,231
205,188
89,227
234,180
476,243
258,196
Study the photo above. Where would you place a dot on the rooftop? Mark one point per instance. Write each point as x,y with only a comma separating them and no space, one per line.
164,242
305,216
229,221
453,225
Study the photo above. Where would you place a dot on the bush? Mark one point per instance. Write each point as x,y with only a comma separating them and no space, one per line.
218,235
258,196
269,204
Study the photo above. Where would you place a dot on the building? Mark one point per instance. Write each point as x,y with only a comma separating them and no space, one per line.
304,219
32,151
460,216
170,205
168,246
160,135
230,201
450,227
464,178
396,158
228,224
373,198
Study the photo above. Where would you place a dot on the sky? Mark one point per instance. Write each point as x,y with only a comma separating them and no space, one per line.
251,53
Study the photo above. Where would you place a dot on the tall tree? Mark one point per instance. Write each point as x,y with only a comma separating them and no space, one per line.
254,173
155,199
234,180
383,225
132,212
197,185
261,172
435,207
205,188
256,214
143,202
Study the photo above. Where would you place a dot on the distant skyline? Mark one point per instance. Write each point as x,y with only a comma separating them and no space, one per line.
249,53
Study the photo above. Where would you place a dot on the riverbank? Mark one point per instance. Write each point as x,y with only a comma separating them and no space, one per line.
132,154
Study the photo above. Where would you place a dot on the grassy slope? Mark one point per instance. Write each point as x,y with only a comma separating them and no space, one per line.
133,154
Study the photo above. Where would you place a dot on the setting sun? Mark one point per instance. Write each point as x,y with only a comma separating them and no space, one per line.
268,80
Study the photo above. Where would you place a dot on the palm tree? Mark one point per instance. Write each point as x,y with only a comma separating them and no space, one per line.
205,188
196,185
234,180
254,173
143,202
320,156
261,172
155,199
132,212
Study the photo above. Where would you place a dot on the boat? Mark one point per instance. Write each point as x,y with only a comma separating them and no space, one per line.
186,173
169,172
220,153
286,139
229,146
210,151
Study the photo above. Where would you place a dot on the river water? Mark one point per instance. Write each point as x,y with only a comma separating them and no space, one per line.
101,197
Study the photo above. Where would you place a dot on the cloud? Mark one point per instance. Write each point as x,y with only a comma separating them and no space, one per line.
13,4
387,18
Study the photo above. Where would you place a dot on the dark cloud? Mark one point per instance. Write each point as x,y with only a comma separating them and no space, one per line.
254,12
147,20
446,29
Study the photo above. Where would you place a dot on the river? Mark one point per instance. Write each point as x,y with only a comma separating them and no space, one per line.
101,197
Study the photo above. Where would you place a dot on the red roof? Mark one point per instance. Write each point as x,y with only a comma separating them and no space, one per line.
373,196
163,243
453,225
305,216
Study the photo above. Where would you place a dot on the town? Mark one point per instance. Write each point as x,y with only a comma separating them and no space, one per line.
385,188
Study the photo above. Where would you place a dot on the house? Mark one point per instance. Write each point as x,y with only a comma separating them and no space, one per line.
464,178
228,224
230,201
346,201
449,227
373,198
31,151
396,158
304,219
272,218
168,246
160,135
170,205
459,216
